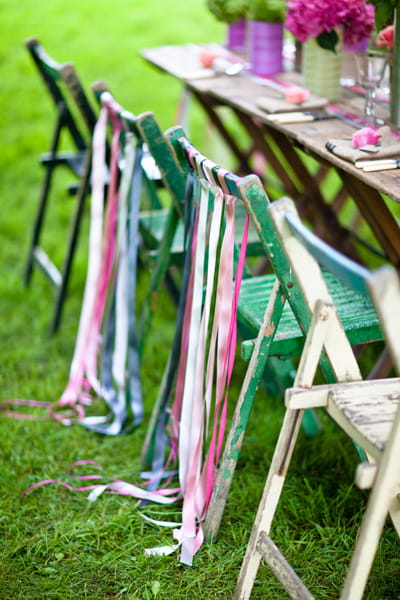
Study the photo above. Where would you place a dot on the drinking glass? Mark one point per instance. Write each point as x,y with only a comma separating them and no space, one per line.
371,68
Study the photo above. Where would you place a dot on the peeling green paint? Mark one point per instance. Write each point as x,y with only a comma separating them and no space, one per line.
235,454
227,474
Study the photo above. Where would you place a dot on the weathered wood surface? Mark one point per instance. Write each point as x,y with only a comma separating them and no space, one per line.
367,412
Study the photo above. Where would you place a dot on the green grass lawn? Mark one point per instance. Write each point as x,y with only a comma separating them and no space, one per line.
54,543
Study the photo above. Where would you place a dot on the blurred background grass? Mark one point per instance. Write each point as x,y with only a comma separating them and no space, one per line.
54,543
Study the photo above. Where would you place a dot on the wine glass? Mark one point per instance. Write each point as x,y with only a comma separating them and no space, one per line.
371,68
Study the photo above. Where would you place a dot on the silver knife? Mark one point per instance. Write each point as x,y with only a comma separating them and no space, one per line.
350,118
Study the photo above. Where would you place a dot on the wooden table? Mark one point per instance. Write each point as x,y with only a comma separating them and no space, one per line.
285,147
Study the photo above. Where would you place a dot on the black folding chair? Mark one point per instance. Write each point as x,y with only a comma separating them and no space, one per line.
75,117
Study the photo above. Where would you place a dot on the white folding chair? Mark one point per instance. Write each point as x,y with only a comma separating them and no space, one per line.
368,411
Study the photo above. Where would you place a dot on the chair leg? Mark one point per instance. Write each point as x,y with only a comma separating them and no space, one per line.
232,448
259,538
383,500
38,224
37,228
382,367
266,510
73,239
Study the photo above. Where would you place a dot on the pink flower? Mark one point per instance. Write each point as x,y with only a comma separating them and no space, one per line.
311,18
359,24
386,37
207,58
296,94
365,136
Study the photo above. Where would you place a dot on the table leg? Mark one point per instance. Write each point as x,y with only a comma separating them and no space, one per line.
376,213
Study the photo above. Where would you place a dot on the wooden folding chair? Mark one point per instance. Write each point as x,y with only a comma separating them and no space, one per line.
280,334
368,411
75,118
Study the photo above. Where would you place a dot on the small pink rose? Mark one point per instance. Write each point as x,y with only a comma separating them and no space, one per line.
386,37
365,136
207,58
296,94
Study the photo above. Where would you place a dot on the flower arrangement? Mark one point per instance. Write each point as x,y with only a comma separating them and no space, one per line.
228,11
268,11
321,18
387,20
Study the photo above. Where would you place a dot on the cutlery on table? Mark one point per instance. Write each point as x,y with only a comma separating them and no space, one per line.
296,117
379,164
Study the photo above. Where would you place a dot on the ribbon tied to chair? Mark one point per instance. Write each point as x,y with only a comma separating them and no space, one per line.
106,334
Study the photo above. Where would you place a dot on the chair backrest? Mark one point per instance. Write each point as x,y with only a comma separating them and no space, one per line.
66,91
307,254
148,134
249,190
147,130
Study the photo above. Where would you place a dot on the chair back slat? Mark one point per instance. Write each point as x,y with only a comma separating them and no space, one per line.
345,269
54,76
203,166
384,288
308,283
74,85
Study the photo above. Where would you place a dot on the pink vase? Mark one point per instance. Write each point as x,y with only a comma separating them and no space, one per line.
265,45
236,36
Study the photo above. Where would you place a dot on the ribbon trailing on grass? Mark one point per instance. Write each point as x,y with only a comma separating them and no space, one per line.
208,343
199,368
105,361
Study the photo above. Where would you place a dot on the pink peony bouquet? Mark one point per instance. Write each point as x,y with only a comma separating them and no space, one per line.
321,18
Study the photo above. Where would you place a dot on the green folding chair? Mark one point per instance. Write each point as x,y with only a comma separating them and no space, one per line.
264,314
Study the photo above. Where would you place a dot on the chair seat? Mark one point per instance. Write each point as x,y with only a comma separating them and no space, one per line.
152,226
74,160
356,313
366,410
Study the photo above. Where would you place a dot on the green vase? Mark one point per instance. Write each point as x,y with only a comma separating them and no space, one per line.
395,73
322,69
